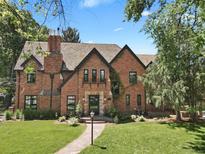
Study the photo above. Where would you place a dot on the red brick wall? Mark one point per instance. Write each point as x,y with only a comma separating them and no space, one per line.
43,82
75,85
125,63
53,63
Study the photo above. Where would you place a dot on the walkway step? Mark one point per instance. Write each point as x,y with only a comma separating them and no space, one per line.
97,118
95,122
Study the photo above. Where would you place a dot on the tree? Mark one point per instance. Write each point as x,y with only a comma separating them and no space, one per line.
71,35
178,75
16,26
46,8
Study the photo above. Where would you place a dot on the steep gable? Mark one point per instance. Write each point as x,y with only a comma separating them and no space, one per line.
146,59
89,55
124,49
73,53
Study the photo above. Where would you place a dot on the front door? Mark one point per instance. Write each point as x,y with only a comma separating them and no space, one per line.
94,104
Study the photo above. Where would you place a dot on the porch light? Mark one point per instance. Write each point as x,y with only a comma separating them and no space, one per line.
92,114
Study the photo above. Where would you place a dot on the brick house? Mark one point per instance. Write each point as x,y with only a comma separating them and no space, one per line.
98,76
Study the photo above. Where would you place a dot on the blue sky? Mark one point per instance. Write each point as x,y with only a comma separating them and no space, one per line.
101,21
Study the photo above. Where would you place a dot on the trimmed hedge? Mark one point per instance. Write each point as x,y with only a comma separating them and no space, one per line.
8,115
39,115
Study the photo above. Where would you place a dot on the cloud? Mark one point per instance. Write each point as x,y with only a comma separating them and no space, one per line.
93,3
146,13
118,29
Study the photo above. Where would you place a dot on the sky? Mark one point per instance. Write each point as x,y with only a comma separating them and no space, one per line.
101,21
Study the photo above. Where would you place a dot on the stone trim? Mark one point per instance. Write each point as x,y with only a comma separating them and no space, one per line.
101,101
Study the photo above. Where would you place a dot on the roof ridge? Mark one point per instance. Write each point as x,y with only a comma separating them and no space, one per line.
77,43
146,54
91,43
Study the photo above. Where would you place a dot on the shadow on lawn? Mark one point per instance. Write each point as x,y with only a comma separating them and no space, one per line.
198,130
101,147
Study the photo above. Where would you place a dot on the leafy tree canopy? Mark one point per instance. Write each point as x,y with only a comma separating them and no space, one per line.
16,26
177,27
71,35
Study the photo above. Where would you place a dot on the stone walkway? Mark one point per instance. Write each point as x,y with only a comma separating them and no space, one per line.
1,118
83,141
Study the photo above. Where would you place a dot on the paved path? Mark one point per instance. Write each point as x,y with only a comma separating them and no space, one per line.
83,141
1,118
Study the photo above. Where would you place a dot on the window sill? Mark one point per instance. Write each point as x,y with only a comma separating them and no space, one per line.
97,82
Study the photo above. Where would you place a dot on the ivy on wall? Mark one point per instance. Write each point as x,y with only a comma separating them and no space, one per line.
116,83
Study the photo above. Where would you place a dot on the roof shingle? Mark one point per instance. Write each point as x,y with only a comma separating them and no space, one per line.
74,53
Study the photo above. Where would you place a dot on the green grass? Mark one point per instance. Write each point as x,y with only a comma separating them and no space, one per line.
35,137
150,138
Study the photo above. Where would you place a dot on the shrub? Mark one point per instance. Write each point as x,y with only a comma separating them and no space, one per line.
133,117
79,109
31,114
41,115
18,114
47,115
62,119
73,121
158,115
116,119
125,117
140,119
8,115
112,112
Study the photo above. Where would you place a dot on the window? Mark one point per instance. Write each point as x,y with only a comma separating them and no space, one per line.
94,75
31,102
102,75
85,75
71,104
139,100
31,77
115,87
127,99
132,77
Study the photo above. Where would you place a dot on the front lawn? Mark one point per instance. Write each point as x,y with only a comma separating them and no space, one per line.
36,137
150,138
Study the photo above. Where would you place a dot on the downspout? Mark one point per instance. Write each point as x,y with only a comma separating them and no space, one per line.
145,96
18,93
51,95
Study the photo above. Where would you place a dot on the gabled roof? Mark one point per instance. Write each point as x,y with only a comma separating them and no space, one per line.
93,51
73,53
33,58
134,55
30,47
146,59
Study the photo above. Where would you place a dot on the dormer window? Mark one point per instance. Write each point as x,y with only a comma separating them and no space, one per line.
31,77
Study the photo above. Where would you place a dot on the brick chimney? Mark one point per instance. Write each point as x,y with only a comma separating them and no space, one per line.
54,43
53,62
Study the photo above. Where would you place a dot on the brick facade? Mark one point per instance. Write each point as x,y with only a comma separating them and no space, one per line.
77,87
123,64
71,82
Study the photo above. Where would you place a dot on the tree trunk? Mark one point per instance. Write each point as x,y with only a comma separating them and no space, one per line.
178,116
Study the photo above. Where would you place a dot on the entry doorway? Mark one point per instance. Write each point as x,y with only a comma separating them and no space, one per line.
94,104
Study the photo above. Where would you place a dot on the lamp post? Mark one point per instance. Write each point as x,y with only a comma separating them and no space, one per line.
92,115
